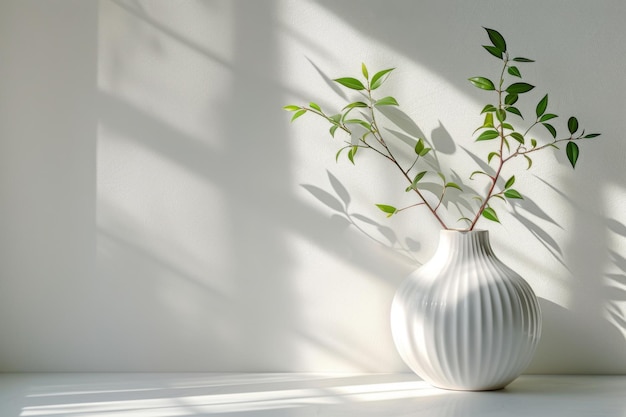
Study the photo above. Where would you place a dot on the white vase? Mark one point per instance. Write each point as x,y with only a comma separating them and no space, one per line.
464,320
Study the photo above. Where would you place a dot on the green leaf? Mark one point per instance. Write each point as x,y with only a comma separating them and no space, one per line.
478,172
491,155
530,161
417,178
419,146
496,39
425,151
519,88
335,118
551,129
514,110
339,153
507,126
592,135
510,182
350,82
514,71
572,152
547,117
298,114
533,143
390,210
510,99
378,79
442,176
483,83
572,125
493,50
513,194
355,104
488,135
541,106
518,137
453,185
488,108
387,101
488,121
359,122
501,115
364,70
490,214
520,59
292,107
352,152
315,106
333,129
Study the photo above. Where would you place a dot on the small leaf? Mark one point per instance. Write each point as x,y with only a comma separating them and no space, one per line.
533,143
530,161
364,70
390,210
547,117
490,214
572,152
514,110
425,151
488,108
513,194
335,118
297,114
507,126
419,146
514,71
541,106
483,83
493,50
339,153
510,99
572,125
359,122
442,176
478,172
501,115
488,120
510,182
520,59
387,101
491,155
592,135
315,106
488,135
355,104
519,88
496,39
453,185
378,79
352,152
350,82
551,129
333,129
518,137
417,178
292,107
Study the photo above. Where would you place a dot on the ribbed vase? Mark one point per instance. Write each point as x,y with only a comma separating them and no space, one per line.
464,320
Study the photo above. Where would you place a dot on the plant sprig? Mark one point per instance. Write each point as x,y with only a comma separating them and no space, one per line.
358,120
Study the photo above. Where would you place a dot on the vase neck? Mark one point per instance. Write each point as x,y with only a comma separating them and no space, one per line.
461,243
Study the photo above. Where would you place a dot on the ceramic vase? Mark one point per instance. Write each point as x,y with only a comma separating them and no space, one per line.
464,320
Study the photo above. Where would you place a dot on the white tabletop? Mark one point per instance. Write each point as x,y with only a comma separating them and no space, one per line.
302,395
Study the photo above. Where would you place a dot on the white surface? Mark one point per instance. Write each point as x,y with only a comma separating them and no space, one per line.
160,213
300,395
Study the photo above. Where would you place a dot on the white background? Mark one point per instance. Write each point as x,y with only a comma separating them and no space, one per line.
160,213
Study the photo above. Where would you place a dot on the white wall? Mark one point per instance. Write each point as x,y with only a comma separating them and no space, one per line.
160,213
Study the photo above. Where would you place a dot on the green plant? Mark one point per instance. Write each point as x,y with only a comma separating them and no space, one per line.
509,141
